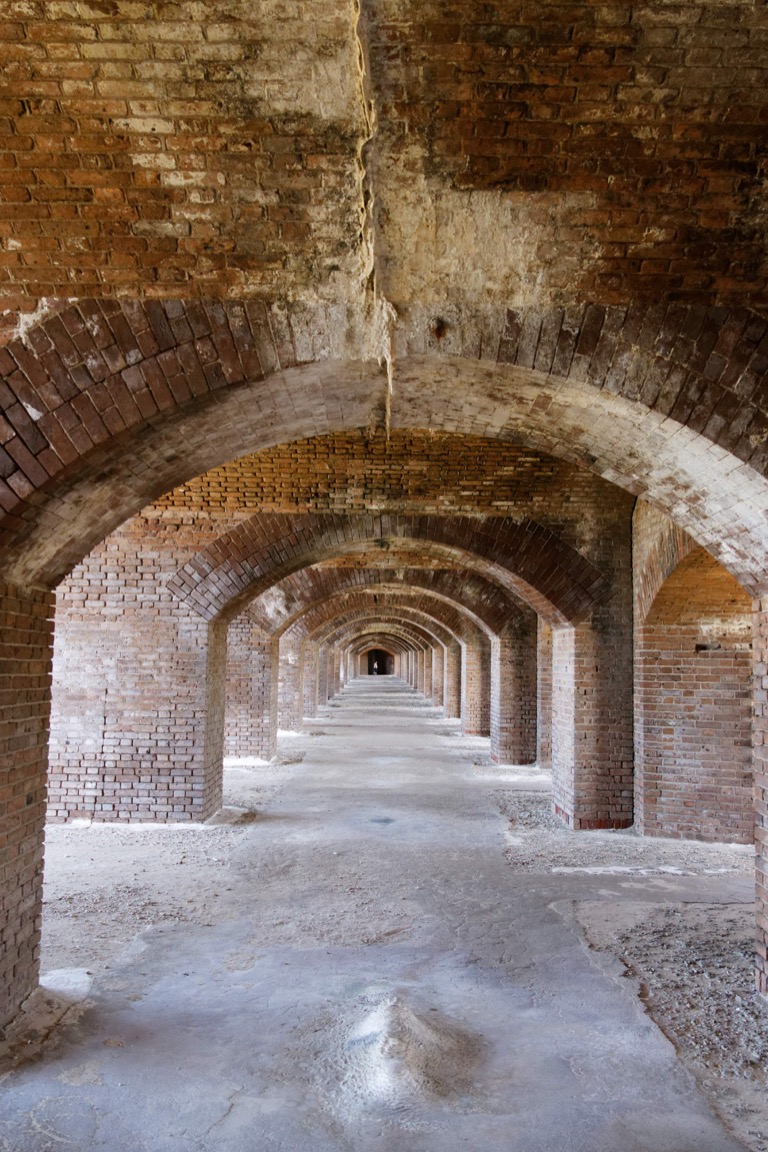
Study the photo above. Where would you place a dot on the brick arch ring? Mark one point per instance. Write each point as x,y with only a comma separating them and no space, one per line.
489,603
530,561
461,622
105,405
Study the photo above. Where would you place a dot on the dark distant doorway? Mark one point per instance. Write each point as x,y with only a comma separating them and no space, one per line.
380,663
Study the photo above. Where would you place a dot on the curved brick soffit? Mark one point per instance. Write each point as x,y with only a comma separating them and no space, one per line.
359,645
390,643
426,637
289,597
698,588
419,638
422,621
372,633
551,577
327,630
319,619
485,603
336,611
121,391
379,639
669,550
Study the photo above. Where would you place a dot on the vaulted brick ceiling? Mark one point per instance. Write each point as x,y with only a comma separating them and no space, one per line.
589,151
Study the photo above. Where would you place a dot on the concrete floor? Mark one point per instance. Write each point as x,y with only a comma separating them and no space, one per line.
389,983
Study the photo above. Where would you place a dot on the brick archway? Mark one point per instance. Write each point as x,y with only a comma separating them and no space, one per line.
55,511
662,401
527,558
489,603
693,696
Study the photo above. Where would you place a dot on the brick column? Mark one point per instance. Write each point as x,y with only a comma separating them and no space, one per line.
252,691
289,694
138,713
760,752
438,674
592,724
428,673
334,671
475,688
330,686
309,677
452,681
513,694
26,649
544,695
322,675
420,670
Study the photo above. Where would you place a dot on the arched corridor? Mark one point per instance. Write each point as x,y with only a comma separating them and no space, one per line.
432,329
362,957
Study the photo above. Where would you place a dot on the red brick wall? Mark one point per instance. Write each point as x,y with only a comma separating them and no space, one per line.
544,694
694,720
252,691
26,628
476,688
693,689
623,120
144,162
513,695
138,690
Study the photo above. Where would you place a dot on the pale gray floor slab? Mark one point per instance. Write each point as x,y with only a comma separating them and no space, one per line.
389,983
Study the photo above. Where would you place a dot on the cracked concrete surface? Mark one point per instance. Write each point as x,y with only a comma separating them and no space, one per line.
356,966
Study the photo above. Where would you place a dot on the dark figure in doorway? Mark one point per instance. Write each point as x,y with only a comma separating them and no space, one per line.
375,667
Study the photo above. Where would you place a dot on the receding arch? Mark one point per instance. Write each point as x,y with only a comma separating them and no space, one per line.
712,484
460,621
379,661
489,603
429,630
528,559
606,399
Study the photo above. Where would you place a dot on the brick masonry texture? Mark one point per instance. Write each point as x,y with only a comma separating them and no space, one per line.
26,629
177,146
513,694
693,689
415,302
760,741
633,128
544,694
